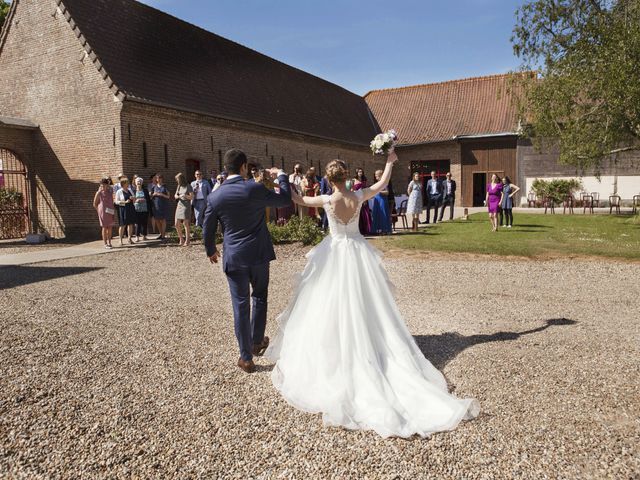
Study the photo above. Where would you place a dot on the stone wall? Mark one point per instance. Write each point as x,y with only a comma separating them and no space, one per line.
47,78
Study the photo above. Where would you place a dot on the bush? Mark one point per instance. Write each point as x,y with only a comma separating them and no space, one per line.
556,190
303,230
10,198
196,234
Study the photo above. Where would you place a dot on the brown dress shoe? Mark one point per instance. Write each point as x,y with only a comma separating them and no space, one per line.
247,365
259,348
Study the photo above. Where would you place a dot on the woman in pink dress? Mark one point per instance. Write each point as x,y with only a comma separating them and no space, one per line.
492,200
103,203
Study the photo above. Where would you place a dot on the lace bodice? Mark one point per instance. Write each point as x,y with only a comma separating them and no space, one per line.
339,228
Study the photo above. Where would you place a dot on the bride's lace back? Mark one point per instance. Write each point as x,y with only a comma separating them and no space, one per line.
338,227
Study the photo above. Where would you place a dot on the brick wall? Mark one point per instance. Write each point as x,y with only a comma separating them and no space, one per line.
437,151
192,136
46,77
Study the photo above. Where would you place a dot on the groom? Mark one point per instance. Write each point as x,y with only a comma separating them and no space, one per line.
247,249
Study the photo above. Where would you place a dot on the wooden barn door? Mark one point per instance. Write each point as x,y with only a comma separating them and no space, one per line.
481,159
14,196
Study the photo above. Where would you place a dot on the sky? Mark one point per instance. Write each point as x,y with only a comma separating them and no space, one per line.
366,45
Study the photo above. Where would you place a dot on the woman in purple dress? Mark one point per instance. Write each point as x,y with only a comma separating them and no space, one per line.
493,199
360,181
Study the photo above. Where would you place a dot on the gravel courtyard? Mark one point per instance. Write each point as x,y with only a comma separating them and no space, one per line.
124,366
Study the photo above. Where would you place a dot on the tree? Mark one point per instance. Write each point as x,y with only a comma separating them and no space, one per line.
586,94
4,10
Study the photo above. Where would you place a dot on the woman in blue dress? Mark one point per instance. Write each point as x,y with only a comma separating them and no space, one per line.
381,217
506,204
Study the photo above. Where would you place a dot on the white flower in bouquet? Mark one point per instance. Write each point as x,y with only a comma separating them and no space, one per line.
383,143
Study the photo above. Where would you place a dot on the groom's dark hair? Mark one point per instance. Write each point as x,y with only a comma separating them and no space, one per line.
233,161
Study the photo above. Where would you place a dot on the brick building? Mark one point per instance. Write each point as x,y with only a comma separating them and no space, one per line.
470,128
89,88
100,87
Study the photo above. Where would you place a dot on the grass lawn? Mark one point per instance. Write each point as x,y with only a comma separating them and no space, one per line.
533,235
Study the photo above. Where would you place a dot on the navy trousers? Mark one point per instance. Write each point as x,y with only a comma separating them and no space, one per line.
250,320
433,201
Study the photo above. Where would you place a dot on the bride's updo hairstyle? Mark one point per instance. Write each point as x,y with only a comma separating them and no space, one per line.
337,171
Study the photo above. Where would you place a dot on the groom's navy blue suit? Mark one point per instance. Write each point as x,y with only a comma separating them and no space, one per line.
240,206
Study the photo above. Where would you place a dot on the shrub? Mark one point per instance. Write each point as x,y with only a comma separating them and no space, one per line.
303,230
10,198
556,189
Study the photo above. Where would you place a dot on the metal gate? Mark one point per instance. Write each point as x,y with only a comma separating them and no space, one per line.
14,196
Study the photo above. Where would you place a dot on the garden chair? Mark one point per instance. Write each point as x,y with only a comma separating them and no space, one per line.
636,203
531,200
567,204
614,202
596,198
587,202
401,213
548,204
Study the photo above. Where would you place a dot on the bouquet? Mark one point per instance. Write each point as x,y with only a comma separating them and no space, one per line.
383,143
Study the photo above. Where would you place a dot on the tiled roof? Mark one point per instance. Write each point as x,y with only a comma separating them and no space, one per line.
440,111
153,56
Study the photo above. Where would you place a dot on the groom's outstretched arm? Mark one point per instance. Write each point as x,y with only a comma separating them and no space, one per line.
282,199
209,229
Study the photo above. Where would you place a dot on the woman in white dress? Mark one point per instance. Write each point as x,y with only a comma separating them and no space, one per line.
414,204
354,359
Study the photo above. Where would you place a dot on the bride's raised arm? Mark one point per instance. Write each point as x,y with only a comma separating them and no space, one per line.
306,201
381,184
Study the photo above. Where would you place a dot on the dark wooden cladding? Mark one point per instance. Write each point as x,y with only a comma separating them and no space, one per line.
486,156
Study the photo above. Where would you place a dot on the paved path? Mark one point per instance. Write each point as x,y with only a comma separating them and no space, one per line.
82,250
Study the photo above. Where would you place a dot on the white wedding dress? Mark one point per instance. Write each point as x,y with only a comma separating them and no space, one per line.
342,348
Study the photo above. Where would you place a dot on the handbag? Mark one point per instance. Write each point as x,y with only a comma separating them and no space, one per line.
109,211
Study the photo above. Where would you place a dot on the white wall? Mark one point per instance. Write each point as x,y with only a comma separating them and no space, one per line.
625,186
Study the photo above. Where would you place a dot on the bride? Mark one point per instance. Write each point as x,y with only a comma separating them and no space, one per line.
342,348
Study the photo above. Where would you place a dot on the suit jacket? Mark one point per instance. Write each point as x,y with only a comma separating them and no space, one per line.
240,206
206,190
325,187
438,187
453,189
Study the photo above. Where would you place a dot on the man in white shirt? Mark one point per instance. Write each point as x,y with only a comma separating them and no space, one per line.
449,196
201,190
295,179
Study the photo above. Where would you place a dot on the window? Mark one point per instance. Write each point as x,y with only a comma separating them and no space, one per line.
144,154
166,156
129,130
282,163
424,168
272,161
220,161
